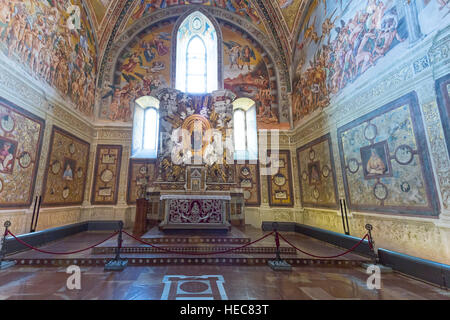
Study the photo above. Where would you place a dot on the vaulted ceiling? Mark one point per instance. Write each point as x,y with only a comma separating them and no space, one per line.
279,19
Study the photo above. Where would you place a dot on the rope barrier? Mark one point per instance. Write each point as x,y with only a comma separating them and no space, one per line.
60,253
277,243
198,253
332,257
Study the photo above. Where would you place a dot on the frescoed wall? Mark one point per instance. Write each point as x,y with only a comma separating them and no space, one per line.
443,95
144,68
344,42
247,75
53,41
241,7
290,9
317,176
20,146
99,8
386,163
66,173
106,174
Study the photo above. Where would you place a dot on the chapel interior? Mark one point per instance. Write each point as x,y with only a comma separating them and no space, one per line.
225,149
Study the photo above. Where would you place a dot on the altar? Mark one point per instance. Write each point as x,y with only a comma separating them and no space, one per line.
189,211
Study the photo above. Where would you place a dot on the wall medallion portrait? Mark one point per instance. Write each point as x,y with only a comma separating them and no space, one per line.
314,172
245,171
404,154
7,123
376,162
246,183
72,148
7,155
279,179
107,175
55,167
25,160
66,192
69,169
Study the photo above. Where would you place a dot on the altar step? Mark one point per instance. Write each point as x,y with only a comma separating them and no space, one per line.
196,240
189,249
233,237
170,261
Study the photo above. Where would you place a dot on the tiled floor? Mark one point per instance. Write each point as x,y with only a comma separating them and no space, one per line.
239,283
207,281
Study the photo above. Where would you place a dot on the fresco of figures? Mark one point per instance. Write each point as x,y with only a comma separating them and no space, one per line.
54,41
145,68
342,40
246,75
243,8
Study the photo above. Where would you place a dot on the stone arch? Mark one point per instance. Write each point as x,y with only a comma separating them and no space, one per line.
219,15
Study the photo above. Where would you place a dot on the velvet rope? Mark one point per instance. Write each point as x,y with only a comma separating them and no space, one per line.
337,256
61,253
196,253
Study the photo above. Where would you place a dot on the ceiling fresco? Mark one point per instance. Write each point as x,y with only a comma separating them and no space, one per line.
277,18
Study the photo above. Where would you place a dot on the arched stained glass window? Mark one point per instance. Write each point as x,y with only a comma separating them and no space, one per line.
196,72
245,130
145,128
197,55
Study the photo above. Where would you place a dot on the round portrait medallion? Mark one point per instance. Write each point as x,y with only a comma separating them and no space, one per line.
326,171
7,123
312,154
245,171
143,170
405,187
80,173
316,193
353,165
279,179
55,167
404,154
304,176
380,191
66,192
106,176
370,132
72,148
25,160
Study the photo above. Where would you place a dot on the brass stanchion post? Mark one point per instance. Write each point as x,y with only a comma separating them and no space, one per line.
4,263
376,260
117,264
278,264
